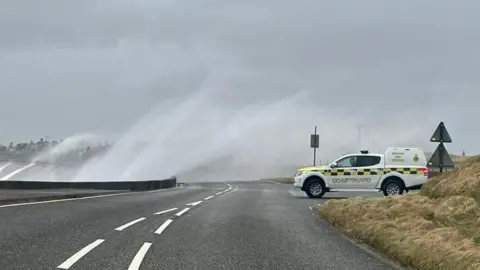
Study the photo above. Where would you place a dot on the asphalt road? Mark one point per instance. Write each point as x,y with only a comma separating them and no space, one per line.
25,194
241,225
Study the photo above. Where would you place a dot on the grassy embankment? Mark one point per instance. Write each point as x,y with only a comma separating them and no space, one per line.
437,228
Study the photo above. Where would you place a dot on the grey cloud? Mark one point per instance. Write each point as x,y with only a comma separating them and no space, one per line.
399,67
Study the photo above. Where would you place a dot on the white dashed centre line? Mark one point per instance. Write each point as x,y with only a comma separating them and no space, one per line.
218,193
163,226
137,260
182,212
165,211
121,228
194,203
77,256
209,197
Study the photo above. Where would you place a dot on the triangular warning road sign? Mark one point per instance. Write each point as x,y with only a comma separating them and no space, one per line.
441,158
441,134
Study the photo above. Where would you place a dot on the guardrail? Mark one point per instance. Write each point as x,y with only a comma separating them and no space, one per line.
110,185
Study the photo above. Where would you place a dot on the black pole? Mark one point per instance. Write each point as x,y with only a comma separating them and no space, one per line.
315,149
441,148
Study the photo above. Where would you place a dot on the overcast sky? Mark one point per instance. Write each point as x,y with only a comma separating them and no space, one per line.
396,67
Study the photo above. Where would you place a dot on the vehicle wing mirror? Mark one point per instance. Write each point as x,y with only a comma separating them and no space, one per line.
333,165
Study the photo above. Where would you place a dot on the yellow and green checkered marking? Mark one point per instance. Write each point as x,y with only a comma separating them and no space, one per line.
347,171
408,171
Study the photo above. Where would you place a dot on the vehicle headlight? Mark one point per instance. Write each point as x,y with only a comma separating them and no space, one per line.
299,173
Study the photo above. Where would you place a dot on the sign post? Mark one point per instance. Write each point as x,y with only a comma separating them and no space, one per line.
314,143
440,157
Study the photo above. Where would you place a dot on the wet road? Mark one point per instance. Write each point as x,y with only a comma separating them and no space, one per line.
241,225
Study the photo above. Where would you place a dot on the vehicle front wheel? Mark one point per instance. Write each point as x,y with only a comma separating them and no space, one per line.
393,187
315,189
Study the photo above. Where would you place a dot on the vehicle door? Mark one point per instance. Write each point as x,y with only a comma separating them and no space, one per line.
356,171
369,170
343,174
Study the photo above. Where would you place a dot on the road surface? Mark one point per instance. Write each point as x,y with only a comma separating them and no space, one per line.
241,225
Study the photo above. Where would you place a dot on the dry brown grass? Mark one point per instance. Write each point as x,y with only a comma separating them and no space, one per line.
464,181
438,228
459,159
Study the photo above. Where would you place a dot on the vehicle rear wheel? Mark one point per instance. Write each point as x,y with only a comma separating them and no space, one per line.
315,188
393,187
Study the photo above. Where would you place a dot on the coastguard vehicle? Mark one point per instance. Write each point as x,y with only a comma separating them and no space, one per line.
395,171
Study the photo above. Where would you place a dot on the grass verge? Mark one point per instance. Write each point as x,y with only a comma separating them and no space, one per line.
437,228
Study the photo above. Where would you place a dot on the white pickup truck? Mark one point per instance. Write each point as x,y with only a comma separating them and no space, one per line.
395,171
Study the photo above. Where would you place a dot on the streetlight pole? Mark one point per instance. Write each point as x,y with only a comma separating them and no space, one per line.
359,127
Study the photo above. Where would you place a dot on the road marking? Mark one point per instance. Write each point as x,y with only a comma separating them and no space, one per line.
86,198
294,194
77,256
218,193
194,203
182,212
209,197
231,191
137,260
10,175
64,200
163,226
5,166
121,228
275,183
172,188
165,211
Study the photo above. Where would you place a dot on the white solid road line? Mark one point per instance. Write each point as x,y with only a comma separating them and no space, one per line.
64,200
182,212
83,198
218,193
163,226
165,211
121,228
5,166
194,203
275,183
137,260
209,197
77,256
10,175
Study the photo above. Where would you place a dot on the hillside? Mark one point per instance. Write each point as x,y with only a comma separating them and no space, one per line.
457,159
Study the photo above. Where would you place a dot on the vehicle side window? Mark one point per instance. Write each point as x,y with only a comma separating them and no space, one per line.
366,161
347,162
